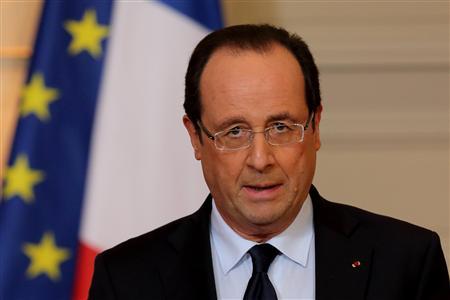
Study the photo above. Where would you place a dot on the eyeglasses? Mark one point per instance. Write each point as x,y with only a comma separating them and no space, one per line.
237,138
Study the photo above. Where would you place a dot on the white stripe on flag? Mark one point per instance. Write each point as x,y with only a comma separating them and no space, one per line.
142,171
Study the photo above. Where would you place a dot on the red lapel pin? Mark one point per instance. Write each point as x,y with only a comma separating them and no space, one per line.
356,264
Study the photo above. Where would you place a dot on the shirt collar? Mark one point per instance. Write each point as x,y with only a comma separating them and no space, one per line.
294,242
230,247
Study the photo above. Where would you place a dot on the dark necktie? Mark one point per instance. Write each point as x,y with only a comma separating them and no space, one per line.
259,286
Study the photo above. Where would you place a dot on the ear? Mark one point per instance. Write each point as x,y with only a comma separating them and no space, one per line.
193,135
317,116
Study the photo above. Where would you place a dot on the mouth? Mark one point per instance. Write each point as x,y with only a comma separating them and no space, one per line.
261,191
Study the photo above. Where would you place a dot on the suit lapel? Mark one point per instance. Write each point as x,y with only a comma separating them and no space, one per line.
343,255
192,276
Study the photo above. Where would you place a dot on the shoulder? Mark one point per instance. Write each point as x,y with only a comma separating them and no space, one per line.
128,269
141,265
164,241
381,231
400,252
379,221
155,242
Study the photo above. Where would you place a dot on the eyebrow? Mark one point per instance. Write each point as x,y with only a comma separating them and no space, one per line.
231,121
241,119
281,116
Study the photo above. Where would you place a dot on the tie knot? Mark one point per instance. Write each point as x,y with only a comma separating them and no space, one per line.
262,256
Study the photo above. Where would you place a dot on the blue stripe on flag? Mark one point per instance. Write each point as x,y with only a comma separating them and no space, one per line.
44,181
206,12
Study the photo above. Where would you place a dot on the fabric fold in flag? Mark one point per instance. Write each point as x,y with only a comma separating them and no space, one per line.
100,153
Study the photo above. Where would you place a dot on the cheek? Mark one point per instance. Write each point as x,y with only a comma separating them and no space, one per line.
298,163
290,158
222,170
230,167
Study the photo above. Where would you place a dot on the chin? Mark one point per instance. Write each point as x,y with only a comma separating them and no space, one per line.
264,217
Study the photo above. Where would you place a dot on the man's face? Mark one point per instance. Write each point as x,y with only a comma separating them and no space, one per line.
258,190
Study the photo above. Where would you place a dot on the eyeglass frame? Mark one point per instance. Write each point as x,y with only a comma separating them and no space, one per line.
213,137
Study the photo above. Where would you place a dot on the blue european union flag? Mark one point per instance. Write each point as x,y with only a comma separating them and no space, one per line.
44,181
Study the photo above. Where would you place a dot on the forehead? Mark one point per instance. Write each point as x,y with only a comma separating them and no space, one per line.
252,85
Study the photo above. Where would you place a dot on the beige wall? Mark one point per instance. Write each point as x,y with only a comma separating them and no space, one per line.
385,85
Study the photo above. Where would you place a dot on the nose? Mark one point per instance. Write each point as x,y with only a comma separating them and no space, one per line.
260,156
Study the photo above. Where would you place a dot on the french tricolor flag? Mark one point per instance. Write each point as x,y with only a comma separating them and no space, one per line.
100,153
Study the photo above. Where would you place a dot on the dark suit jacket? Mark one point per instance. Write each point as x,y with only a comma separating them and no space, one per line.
397,260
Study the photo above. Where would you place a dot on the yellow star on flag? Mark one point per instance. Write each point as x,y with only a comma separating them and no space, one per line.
87,34
20,179
45,257
36,98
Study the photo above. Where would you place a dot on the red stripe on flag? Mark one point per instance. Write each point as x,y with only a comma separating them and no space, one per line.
83,271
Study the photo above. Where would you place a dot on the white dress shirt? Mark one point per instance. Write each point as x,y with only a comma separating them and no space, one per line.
292,273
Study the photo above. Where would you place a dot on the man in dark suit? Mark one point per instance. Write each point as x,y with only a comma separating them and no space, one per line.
253,111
